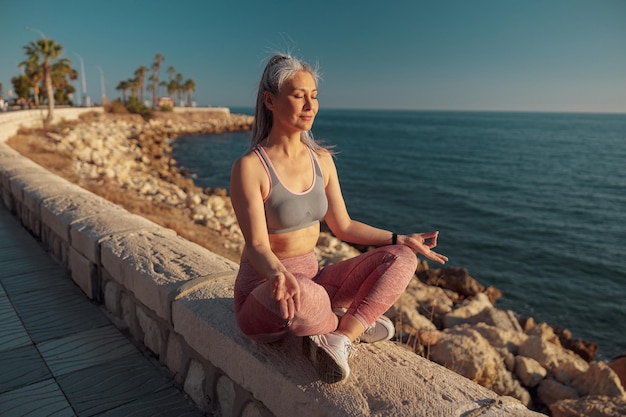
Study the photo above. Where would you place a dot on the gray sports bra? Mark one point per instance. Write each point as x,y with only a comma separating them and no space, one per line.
287,211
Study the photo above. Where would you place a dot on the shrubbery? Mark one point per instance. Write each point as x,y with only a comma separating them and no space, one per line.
115,107
133,105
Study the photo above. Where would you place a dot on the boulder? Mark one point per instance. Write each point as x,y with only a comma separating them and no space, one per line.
563,364
467,310
619,367
457,280
529,371
591,406
551,391
501,338
599,380
463,350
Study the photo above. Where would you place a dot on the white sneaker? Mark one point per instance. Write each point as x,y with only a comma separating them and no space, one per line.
329,354
381,330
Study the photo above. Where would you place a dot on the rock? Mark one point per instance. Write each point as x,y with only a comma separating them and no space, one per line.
466,352
619,367
467,310
404,314
463,350
456,279
585,349
529,371
591,406
563,364
501,338
599,380
551,391
432,302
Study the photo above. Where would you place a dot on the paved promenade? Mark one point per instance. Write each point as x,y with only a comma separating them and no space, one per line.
59,353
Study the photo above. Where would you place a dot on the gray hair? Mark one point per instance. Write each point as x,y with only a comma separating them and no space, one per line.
279,69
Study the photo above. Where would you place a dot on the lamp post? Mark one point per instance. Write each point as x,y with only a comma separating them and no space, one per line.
37,31
102,87
85,102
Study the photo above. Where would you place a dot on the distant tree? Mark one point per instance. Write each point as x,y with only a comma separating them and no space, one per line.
171,85
62,73
172,89
123,86
189,87
34,72
43,52
133,85
164,85
156,67
140,75
179,89
22,85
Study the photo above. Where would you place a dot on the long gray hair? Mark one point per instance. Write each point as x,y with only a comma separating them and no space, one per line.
279,69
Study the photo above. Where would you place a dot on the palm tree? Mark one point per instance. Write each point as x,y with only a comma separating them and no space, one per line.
140,75
172,88
44,51
62,73
179,83
156,67
189,87
34,72
123,86
164,85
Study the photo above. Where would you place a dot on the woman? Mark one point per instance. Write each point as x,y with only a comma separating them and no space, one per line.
280,191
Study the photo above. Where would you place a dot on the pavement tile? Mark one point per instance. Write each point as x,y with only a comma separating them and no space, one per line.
21,367
86,349
12,332
168,403
101,388
42,399
25,276
54,312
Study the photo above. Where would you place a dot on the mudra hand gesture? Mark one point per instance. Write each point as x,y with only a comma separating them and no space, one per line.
423,243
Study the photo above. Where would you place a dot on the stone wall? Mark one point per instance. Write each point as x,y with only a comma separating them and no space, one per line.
176,298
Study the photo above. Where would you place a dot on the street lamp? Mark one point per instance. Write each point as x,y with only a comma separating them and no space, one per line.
37,31
85,101
102,87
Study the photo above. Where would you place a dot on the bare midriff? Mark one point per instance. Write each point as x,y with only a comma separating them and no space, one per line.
296,243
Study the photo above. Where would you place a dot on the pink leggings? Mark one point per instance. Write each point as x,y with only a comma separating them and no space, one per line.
366,285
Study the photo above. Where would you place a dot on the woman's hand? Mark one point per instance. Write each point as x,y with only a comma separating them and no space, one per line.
423,243
286,291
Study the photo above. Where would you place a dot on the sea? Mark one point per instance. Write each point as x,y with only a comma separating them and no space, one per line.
531,203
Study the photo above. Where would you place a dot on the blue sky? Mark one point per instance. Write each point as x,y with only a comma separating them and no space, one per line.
530,55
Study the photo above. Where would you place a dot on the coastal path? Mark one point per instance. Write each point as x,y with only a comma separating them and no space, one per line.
60,354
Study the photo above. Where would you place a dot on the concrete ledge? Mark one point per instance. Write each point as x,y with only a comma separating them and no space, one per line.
176,298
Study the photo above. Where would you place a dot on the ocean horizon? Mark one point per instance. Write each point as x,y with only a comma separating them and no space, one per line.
532,203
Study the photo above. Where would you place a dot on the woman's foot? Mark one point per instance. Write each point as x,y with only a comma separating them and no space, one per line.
329,354
381,330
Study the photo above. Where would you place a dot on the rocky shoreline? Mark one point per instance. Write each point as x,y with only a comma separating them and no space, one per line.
445,314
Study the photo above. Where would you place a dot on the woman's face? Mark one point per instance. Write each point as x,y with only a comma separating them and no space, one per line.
295,106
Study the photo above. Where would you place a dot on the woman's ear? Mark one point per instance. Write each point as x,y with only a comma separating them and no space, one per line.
268,99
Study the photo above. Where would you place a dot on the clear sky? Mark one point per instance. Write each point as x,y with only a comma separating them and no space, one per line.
528,55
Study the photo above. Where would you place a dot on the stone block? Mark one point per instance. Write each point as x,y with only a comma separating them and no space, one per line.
70,205
155,266
88,233
83,273
194,384
111,297
152,338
